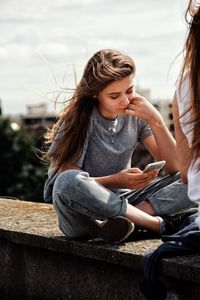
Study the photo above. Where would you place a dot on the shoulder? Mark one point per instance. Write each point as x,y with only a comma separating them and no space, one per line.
182,93
138,127
182,87
134,122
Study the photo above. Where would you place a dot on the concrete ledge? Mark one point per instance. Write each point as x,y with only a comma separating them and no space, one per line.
38,262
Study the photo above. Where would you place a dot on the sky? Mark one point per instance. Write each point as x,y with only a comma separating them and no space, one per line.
43,41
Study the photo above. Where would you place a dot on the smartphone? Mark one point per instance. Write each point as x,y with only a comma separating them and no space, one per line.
155,165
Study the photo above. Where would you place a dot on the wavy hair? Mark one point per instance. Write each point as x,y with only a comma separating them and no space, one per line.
191,66
103,68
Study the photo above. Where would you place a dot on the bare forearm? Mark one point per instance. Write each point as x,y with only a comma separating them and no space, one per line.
183,150
109,182
184,157
132,178
166,145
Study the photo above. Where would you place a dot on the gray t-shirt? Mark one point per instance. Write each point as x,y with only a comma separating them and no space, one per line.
108,147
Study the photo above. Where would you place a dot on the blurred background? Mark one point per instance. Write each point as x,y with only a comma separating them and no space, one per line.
42,44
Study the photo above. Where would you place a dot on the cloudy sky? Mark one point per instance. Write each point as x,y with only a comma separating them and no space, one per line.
41,40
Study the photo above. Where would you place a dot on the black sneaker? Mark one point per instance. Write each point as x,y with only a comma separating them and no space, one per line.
114,230
172,224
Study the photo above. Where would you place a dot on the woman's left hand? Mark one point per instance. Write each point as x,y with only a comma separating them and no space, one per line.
140,107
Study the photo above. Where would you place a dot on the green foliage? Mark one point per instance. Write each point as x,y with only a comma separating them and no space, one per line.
22,173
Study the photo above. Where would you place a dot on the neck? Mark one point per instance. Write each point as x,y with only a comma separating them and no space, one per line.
107,116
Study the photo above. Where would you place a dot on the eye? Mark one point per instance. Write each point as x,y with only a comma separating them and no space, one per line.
114,97
129,92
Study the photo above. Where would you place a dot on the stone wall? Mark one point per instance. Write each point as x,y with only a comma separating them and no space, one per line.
38,262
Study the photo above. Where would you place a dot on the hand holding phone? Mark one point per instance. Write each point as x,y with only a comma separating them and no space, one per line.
154,166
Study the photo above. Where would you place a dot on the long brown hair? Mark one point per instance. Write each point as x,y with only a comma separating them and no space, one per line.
104,67
191,66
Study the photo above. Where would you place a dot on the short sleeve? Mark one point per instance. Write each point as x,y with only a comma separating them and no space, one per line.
144,131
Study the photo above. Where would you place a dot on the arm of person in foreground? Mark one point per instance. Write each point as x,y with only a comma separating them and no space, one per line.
183,150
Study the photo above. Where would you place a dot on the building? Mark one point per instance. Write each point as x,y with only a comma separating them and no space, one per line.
38,117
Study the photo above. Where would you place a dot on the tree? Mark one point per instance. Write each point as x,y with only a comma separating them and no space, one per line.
22,172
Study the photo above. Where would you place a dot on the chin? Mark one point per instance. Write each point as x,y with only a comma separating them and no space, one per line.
121,112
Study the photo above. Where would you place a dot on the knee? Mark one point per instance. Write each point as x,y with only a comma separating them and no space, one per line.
68,181
62,188
65,180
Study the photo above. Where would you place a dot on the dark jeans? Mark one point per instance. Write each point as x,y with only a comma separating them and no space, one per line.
186,241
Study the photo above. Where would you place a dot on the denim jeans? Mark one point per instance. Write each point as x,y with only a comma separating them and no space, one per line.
79,201
168,196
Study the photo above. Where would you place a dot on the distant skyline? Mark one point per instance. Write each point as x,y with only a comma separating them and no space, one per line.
41,40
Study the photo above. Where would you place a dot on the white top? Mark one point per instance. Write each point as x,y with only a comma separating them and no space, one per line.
183,100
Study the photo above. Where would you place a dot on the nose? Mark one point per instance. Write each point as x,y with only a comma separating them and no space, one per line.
124,101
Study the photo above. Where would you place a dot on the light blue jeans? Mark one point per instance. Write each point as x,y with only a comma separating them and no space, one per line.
79,201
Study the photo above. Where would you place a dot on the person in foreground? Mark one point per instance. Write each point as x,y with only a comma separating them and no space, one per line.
186,112
91,148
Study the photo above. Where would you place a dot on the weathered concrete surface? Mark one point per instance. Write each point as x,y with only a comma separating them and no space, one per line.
29,217
31,221
38,262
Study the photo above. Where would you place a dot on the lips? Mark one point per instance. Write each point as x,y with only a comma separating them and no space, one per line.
122,109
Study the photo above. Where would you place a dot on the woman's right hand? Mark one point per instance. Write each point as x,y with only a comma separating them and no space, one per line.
141,108
134,178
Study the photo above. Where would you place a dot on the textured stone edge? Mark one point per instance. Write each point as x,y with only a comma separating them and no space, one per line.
179,267
106,253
